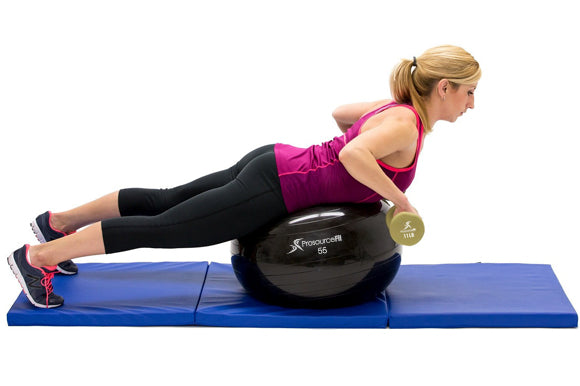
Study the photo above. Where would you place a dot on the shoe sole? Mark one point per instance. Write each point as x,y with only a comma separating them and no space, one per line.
41,239
36,229
64,272
20,278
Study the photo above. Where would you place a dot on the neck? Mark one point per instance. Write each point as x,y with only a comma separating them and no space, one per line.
433,108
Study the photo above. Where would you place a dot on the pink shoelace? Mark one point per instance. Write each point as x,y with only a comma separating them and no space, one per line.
46,282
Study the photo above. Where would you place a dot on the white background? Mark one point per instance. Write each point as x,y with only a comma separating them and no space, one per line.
101,95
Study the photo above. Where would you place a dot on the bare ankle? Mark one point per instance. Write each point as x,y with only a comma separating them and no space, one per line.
36,256
58,222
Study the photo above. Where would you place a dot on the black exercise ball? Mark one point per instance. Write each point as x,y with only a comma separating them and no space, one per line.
320,257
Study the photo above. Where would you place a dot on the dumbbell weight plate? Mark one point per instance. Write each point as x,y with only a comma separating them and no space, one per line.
405,228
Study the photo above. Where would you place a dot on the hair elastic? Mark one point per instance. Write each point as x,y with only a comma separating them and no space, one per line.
414,61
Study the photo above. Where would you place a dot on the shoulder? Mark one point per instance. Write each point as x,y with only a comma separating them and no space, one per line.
401,124
397,119
403,114
388,132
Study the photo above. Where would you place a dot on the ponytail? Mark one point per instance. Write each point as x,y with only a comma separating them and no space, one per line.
412,81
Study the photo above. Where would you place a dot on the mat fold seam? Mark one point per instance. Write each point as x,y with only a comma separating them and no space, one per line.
200,293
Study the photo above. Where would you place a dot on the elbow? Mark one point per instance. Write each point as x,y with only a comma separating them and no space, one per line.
343,155
340,125
346,155
339,118
337,114
352,156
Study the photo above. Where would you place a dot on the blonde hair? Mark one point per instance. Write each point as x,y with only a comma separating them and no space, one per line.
412,81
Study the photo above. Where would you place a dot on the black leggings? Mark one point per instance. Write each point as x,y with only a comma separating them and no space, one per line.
213,209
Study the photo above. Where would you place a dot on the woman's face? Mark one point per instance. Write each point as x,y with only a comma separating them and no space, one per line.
458,101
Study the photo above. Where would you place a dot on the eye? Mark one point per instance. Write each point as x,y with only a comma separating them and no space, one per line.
470,92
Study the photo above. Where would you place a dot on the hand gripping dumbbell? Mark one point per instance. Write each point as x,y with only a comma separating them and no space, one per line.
405,228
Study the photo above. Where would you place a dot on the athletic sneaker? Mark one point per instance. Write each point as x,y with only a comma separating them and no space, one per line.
36,282
45,232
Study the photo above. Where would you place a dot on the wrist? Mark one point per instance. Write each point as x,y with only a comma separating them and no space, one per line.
403,204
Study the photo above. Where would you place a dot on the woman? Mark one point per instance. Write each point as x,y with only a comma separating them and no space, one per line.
375,158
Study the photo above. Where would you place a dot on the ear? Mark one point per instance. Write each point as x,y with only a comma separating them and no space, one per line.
443,87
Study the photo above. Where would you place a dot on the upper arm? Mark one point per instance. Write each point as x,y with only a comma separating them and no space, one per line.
394,133
347,115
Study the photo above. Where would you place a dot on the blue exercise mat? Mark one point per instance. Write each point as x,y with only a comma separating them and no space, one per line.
421,296
128,294
478,295
225,303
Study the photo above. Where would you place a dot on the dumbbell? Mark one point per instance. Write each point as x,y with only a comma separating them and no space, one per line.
405,228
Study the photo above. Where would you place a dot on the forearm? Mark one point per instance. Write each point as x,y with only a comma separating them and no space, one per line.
363,167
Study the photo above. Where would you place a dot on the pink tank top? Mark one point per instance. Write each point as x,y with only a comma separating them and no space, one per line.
315,176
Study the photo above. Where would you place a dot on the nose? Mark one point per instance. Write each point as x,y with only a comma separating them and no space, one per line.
471,103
